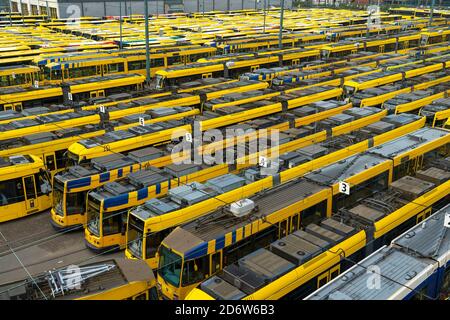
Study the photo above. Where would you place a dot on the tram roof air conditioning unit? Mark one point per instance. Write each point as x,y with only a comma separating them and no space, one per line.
242,207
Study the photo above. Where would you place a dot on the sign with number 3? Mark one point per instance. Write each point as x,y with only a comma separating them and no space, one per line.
344,187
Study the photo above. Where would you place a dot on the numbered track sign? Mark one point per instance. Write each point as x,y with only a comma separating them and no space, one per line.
102,109
263,162
447,220
188,137
36,84
344,187
141,121
69,96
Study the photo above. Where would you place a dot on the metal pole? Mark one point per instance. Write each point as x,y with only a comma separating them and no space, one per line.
280,34
10,19
203,6
120,23
264,28
431,12
131,11
157,8
147,46
48,10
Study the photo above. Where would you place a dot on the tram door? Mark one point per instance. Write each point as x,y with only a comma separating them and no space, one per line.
66,75
30,193
283,228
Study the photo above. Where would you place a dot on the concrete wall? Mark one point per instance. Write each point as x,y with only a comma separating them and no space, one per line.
108,8
39,3
224,5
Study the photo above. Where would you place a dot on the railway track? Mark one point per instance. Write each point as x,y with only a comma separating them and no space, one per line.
40,248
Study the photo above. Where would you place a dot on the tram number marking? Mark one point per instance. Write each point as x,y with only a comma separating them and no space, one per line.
344,187
447,220
106,148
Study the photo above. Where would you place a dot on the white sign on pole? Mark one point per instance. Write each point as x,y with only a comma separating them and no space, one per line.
263,162
188,137
141,121
36,84
102,109
447,220
69,96
344,187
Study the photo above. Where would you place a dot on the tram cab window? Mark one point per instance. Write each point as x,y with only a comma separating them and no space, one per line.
142,296
113,223
76,202
153,241
153,294
11,191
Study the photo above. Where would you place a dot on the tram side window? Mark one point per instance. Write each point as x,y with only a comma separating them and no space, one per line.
195,270
11,191
173,60
50,162
60,159
313,214
445,287
421,294
158,62
18,79
88,71
136,65
115,67
4,81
